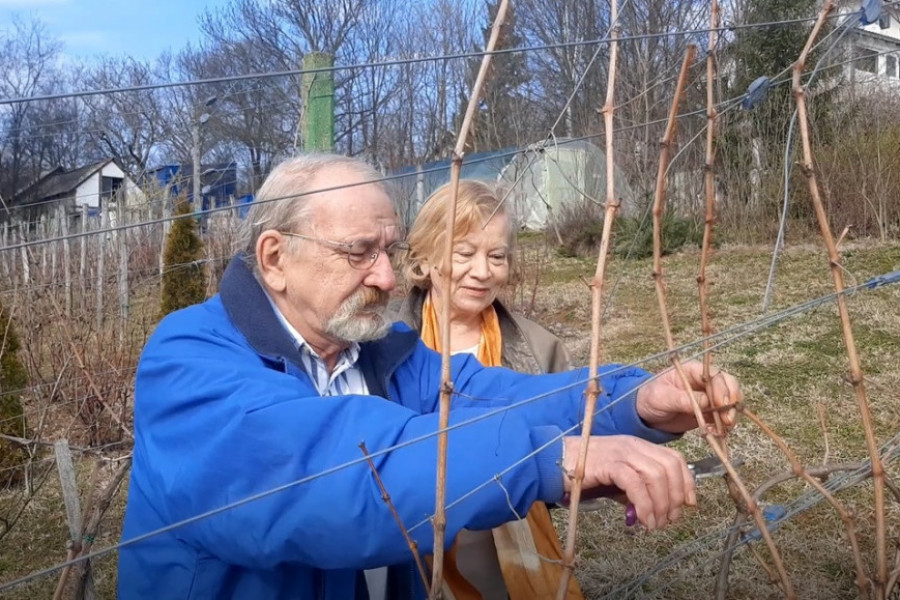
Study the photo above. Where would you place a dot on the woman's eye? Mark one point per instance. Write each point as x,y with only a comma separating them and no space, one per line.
498,257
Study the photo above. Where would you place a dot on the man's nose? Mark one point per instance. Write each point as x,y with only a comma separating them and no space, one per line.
381,274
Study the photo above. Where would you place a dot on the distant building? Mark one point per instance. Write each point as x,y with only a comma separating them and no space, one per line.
91,189
874,49
541,181
218,184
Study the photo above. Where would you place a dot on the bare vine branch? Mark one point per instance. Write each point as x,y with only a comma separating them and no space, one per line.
735,482
593,387
837,274
413,547
440,517
709,177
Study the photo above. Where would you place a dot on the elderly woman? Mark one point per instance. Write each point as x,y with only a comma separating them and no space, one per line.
484,564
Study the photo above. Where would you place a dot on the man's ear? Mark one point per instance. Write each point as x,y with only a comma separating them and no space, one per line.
271,252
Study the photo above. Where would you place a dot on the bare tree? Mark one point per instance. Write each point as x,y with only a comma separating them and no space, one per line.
649,65
559,70
28,67
127,126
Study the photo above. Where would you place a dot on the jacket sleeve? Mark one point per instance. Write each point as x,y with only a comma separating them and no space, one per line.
215,424
554,399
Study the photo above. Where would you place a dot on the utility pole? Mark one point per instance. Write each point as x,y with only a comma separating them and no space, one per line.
197,194
195,162
317,90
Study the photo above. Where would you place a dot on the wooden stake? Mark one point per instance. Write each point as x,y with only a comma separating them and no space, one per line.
67,258
837,274
440,497
69,486
593,387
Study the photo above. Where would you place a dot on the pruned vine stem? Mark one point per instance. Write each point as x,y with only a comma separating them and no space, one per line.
834,260
712,440
593,387
440,517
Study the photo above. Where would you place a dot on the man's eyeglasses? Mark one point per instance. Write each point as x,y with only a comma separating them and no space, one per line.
361,254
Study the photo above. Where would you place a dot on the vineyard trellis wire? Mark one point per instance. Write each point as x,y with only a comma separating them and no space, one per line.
890,277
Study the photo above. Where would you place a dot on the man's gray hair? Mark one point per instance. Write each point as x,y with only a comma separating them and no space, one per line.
281,200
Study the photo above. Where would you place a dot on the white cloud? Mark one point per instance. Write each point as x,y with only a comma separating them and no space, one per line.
86,38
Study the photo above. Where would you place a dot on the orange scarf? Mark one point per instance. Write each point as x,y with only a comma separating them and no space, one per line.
491,344
522,583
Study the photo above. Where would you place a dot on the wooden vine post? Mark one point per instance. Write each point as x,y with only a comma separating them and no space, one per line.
834,260
712,440
709,179
440,518
593,387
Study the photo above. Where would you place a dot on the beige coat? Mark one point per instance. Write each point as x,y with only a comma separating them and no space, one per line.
527,347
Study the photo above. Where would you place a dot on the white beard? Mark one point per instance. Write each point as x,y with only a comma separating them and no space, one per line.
356,321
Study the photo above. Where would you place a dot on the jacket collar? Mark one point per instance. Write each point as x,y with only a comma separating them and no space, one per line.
250,311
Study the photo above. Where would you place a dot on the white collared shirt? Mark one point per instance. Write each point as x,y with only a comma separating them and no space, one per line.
346,378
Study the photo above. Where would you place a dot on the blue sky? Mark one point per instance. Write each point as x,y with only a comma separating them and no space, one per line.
89,28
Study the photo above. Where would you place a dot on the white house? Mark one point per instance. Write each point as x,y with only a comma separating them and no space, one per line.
874,49
93,189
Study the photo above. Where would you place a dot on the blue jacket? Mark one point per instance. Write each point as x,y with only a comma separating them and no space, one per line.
223,412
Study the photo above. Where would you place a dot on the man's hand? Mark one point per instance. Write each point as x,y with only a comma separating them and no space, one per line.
655,479
665,405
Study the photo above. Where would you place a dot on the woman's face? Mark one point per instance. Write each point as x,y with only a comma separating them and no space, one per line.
480,269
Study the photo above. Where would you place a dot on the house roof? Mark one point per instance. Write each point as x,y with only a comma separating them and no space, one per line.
58,183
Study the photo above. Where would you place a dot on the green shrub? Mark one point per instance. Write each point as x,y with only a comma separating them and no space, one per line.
184,276
13,379
634,236
579,228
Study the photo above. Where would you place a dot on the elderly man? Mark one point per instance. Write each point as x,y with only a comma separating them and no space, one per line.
280,376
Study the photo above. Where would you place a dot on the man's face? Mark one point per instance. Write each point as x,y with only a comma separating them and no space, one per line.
328,299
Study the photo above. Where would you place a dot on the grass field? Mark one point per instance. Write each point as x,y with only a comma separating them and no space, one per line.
788,371
794,376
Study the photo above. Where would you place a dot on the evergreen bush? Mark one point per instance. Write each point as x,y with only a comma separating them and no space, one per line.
184,275
13,379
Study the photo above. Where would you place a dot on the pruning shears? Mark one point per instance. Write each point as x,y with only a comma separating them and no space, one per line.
704,468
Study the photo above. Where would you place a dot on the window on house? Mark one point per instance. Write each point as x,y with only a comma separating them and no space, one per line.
109,186
891,66
866,60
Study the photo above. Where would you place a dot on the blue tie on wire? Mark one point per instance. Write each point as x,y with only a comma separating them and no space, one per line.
756,92
882,280
773,515
870,11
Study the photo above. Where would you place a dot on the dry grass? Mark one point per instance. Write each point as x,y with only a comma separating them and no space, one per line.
787,370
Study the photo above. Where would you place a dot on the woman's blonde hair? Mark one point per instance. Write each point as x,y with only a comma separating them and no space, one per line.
476,202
